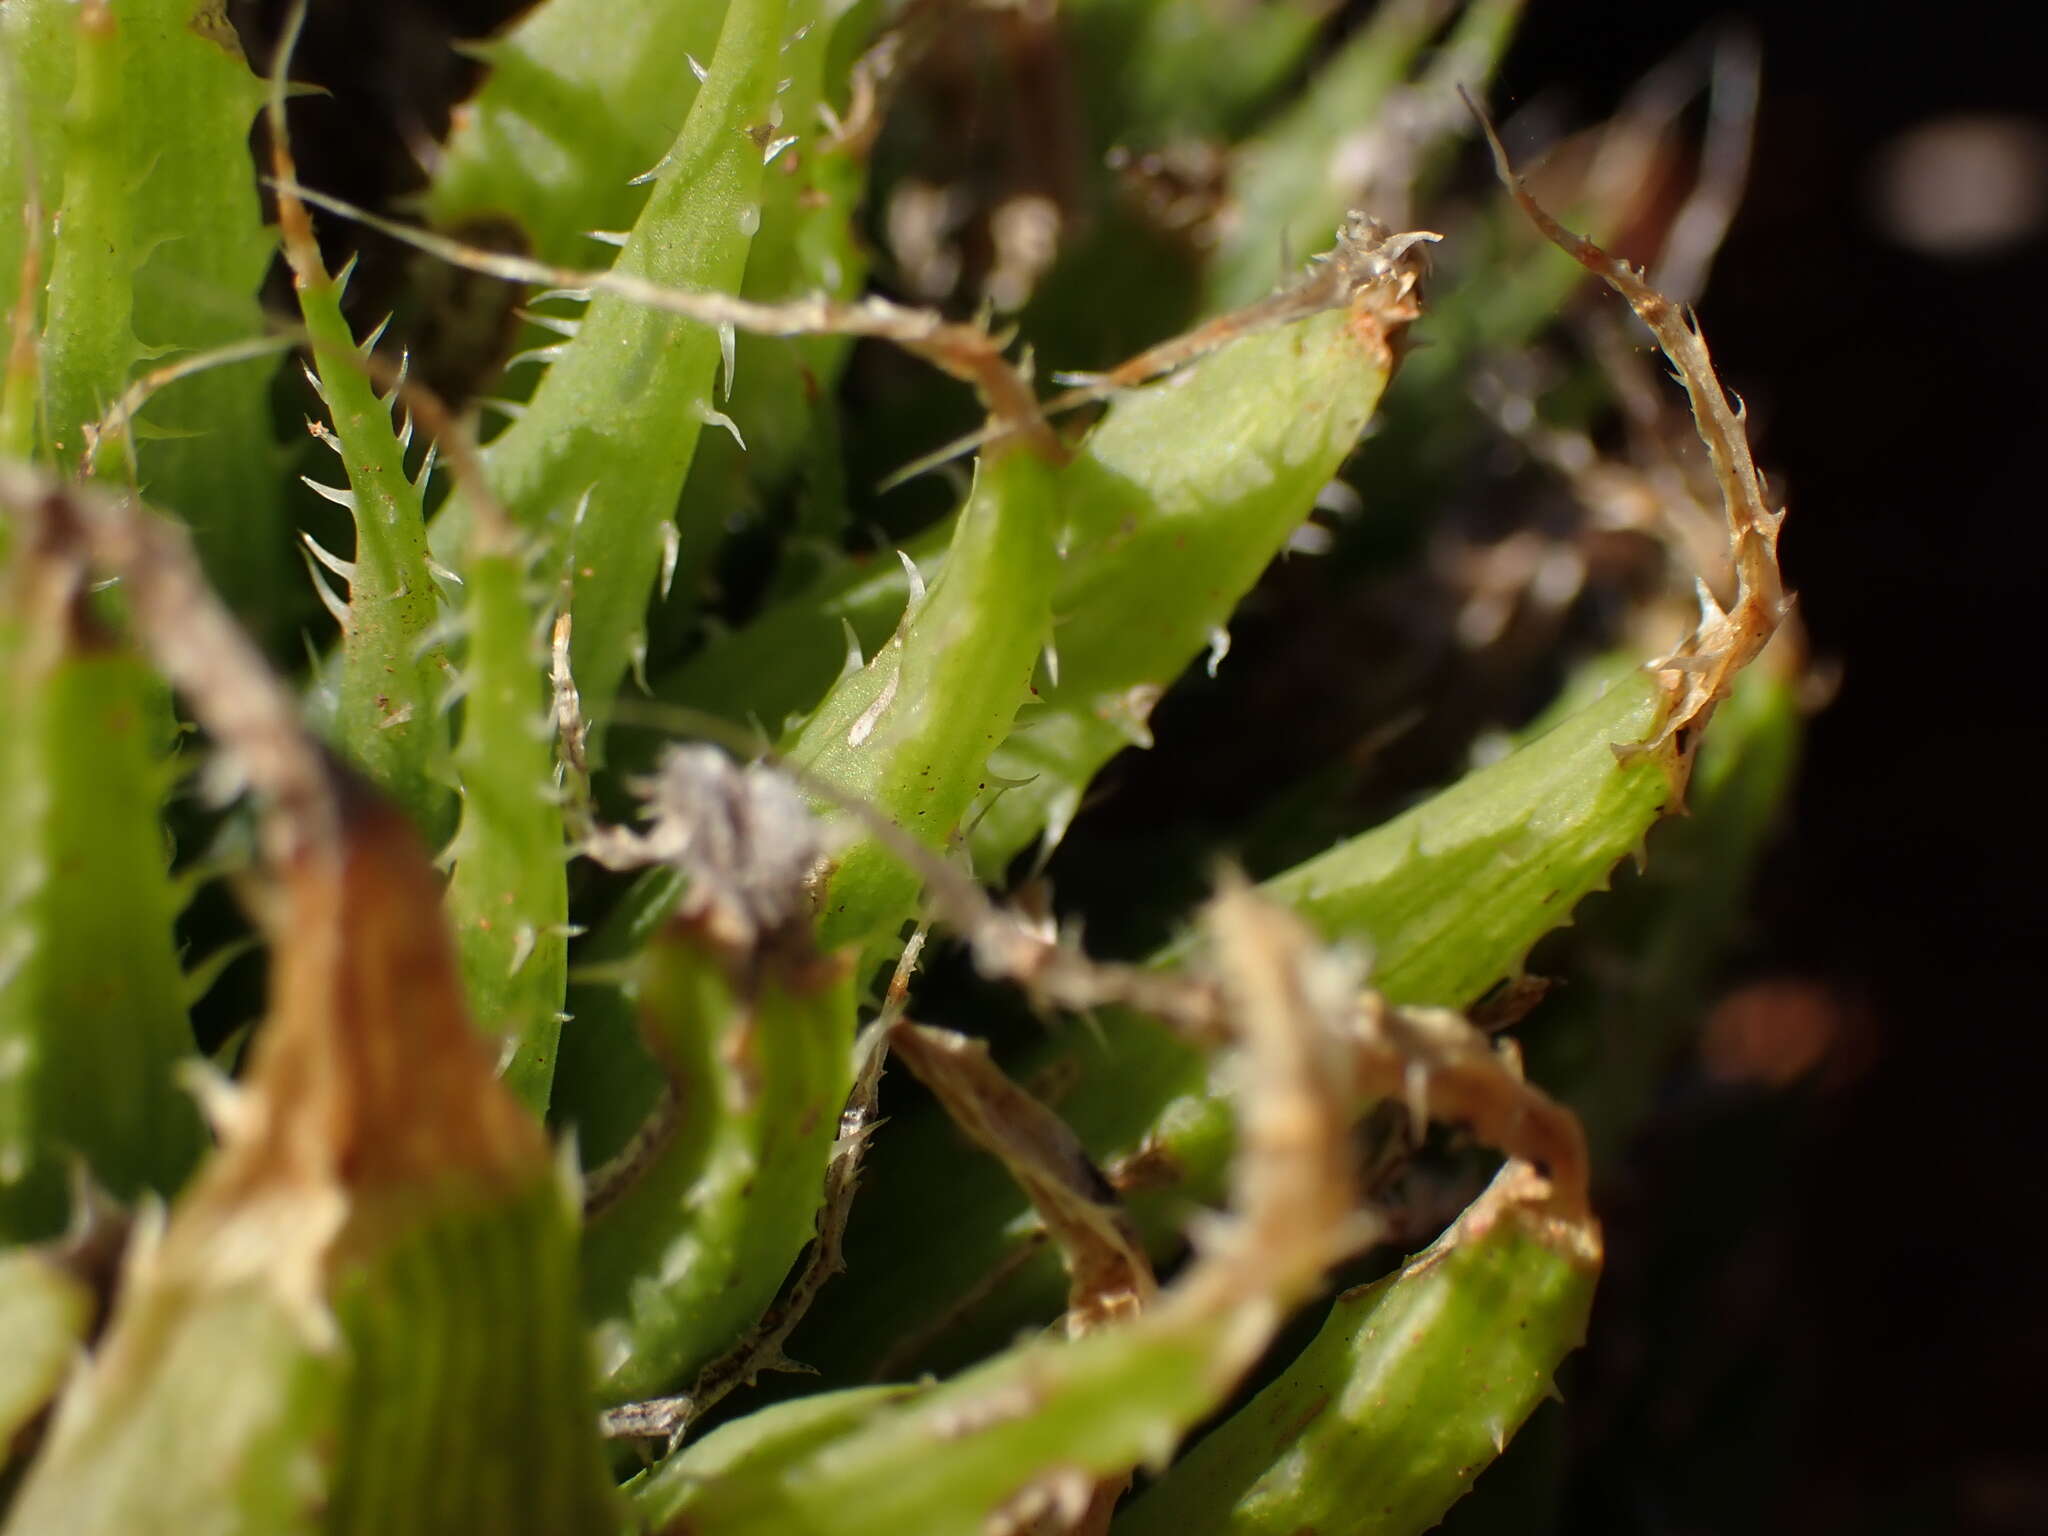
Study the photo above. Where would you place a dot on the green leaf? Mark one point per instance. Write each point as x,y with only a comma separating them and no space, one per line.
781,391
388,717
754,1449
1051,1425
1638,966
581,97
45,1313
910,734
690,1234
466,1400
1411,1387
600,454
157,249
1447,898
1167,515
361,1317
1174,507
508,894
92,1014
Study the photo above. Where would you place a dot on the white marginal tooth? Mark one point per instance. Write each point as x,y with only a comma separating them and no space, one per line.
441,572
537,355
318,431
638,657
783,85
313,379
452,695
1052,663
713,417
1711,610
1340,499
369,343
1219,647
671,550
511,410
523,942
345,569
560,325
696,69
916,580
797,36
427,464
1310,538
608,236
340,495
404,429
438,634
336,608
776,147
574,295
854,660
727,344
348,271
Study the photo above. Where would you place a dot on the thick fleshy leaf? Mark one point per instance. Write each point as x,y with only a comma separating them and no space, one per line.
508,893
596,460
92,1011
692,1226
1412,1386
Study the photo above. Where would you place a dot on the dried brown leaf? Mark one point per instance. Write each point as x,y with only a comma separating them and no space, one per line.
1699,673
368,1077
966,352
1109,1275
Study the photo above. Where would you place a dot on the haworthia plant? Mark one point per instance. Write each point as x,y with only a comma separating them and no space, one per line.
161,254
1447,899
483,1193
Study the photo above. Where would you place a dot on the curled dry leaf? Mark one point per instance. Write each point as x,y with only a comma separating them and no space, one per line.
1444,1069
1371,271
1699,673
1371,267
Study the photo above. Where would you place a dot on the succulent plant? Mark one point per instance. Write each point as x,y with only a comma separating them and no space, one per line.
590,827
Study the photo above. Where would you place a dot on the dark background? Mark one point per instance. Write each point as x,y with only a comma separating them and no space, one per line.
1850,1333
1824,1309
